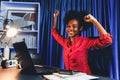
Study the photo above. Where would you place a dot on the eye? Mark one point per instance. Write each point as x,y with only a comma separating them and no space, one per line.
75,26
67,26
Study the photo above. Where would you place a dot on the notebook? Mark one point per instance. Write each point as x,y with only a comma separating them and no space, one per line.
26,62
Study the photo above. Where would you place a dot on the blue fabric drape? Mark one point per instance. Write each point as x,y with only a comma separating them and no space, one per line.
115,30
107,13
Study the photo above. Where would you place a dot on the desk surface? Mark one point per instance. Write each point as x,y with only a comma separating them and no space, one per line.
14,74
9,74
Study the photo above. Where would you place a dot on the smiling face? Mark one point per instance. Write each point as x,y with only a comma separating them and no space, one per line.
73,28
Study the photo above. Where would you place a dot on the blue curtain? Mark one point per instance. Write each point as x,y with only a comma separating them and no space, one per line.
106,11
115,30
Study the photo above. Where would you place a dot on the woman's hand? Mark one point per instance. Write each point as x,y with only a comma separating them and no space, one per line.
89,18
56,13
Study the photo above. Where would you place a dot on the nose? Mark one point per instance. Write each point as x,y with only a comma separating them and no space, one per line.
70,28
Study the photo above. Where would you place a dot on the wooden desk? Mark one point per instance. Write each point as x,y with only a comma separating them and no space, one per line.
9,74
14,74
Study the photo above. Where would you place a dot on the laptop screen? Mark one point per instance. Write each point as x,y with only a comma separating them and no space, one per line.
23,55
26,63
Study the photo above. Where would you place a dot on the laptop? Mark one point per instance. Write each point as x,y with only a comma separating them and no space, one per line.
26,62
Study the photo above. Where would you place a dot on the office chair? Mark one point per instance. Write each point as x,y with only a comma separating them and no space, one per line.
99,61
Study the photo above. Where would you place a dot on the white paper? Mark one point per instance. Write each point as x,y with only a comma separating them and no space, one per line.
78,76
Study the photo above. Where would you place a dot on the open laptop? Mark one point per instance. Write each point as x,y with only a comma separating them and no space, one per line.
26,62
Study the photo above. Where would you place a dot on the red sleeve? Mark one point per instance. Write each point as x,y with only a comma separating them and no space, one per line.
60,39
103,40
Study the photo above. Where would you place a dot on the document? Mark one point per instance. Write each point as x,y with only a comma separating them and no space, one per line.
78,76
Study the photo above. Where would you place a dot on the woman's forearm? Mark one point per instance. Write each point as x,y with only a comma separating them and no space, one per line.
55,19
99,27
93,20
55,22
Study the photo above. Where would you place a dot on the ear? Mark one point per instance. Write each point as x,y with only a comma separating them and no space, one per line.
66,29
81,28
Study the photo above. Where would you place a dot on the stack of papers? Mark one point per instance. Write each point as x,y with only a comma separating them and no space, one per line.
78,76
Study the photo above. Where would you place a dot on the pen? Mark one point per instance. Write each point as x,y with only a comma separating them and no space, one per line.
57,74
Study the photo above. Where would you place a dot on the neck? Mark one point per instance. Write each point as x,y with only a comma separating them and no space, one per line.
72,38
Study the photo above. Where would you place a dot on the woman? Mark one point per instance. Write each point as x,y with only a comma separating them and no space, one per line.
76,47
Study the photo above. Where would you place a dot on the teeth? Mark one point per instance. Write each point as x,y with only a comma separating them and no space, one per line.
71,32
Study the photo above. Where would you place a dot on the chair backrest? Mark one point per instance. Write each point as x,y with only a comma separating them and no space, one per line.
99,61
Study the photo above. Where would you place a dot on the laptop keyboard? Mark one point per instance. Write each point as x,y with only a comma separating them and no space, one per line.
45,70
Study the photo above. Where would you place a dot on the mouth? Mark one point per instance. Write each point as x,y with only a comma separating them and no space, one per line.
71,33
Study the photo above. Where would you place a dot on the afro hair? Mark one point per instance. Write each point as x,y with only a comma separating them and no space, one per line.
79,16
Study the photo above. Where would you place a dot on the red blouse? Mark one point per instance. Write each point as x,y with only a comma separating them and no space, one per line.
75,55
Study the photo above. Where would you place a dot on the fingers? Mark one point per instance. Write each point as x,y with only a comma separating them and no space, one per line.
87,17
56,13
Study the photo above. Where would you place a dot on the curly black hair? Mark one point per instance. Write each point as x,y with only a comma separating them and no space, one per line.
79,16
